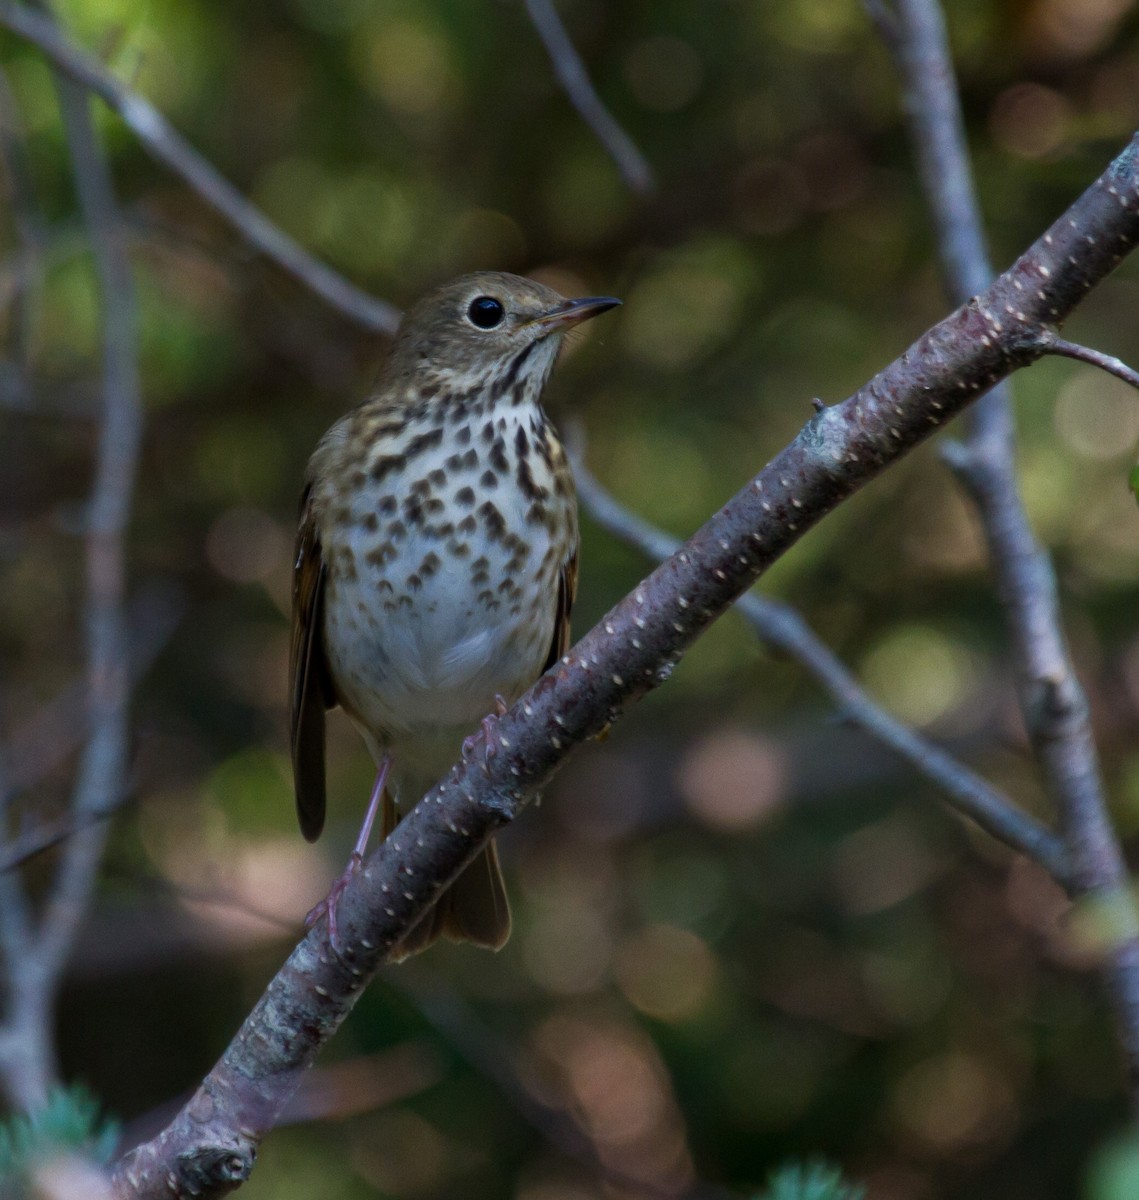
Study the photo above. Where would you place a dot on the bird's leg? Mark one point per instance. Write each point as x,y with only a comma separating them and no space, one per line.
488,724
329,903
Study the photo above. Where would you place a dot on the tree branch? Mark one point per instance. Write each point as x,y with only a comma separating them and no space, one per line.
43,741
1051,699
164,142
782,628
211,1145
495,1057
27,267
1096,358
572,75
884,19
103,766
29,1068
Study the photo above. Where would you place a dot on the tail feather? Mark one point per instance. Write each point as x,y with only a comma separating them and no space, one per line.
473,909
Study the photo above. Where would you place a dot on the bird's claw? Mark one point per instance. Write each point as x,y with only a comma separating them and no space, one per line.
488,723
327,907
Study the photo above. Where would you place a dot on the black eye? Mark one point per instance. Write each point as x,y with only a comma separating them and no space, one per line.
486,312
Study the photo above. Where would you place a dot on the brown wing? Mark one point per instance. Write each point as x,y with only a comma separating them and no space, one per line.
567,593
312,692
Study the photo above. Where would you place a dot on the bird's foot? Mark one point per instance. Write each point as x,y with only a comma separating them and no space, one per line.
489,725
327,907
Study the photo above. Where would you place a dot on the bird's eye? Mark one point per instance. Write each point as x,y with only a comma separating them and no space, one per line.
486,312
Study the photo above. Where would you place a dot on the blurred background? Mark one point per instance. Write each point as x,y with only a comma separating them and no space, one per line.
743,932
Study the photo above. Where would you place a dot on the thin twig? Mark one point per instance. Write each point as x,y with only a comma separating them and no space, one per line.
103,766
211,1146
1096,358
782,628
46,739
42,247
21,1060
40,743
495,1058
335,1092
28,223
574,78
47,836
171,149
933,108
30,1069
884,19
1051,699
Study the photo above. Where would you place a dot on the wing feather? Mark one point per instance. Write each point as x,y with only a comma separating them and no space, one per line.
312,692
567,593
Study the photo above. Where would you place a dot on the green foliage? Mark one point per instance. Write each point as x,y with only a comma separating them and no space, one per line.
1114,1173
70,1122
812,1180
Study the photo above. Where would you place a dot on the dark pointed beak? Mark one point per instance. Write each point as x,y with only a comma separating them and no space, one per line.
573,312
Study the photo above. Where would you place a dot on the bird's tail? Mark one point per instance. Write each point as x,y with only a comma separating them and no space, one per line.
473,909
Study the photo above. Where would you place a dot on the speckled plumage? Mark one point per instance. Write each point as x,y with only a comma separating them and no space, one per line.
437,556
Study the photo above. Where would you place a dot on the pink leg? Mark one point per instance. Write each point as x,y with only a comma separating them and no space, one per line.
373,808
329,903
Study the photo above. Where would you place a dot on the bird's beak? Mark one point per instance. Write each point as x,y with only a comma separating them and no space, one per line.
573,312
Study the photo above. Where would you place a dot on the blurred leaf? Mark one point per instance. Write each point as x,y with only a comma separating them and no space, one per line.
1114,1173
810,1181
70,1122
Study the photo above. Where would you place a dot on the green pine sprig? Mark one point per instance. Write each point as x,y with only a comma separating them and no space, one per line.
70,1122
813,1180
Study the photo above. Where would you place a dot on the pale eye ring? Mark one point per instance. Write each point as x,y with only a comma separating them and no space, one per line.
486,312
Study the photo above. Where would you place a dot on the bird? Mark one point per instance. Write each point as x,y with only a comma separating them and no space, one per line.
436,565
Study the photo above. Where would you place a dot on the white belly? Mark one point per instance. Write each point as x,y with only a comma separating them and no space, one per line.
438,656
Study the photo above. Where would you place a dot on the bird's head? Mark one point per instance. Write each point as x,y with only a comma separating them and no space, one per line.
473,330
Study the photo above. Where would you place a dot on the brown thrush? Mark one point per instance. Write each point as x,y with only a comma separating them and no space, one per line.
436,562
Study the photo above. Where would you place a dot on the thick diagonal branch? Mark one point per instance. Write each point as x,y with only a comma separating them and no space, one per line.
210,1146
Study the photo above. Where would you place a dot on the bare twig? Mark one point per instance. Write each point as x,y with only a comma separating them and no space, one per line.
1052,701
884,19
572,75
211,1145
45,739
782,628
103,765
495,1058
42,246
28,1066
1096,358
335,1092
26,1053
28,223
171,149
